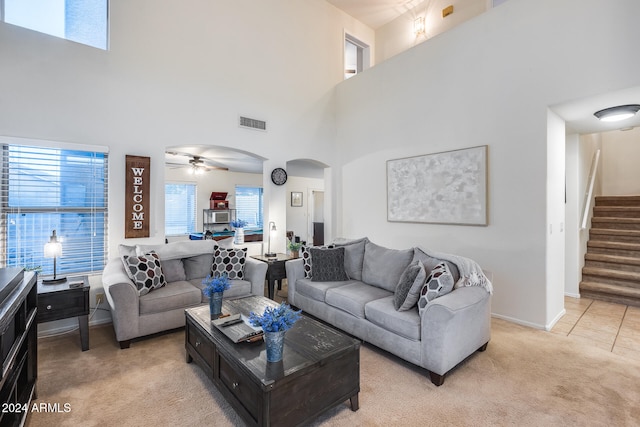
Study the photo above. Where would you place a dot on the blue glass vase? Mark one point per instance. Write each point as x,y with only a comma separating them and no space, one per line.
275,345
215,305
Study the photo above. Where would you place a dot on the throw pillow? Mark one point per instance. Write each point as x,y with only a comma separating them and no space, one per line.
230,262
440,282
305,254
146,272
328,265
409,286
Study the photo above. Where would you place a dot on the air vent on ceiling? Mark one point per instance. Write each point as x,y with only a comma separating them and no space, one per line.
248,123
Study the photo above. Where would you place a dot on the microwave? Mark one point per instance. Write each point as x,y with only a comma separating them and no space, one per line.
220,217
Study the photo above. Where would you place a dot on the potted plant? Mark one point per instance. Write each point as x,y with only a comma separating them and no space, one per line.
213,289
238,225
275,321
294,247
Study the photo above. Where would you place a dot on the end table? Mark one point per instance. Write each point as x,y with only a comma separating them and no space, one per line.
275,271
67,299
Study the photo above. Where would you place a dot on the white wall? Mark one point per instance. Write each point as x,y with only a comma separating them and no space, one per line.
555,251
488,81
180,74
398,36
580,156
620,157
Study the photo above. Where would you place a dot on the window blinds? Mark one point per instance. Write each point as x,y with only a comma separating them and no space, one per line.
45,189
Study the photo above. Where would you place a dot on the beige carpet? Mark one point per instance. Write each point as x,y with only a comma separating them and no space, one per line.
525,378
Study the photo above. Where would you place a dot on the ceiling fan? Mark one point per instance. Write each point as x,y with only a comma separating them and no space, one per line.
196,164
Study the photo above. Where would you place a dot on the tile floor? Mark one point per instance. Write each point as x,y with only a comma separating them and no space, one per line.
612,327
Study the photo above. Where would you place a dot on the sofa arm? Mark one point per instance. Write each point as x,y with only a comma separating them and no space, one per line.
295,270
256,272
123,300
454,326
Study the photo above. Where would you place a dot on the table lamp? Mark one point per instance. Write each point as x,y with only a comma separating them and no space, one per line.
53,249
272,228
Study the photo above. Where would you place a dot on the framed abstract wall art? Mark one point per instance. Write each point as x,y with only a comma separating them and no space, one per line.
445,188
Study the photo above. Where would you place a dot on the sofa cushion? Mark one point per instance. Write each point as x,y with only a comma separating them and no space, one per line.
404,323
353,297
353,256
145,271
230,262
328,265
237,288
198,266
316,290
409,286
430,263
382,267
173,270
439,282
174,295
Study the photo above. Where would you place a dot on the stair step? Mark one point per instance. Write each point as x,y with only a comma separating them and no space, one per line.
614,248
612,277
612,262
617,201
617,211
614,235
611,293
605,222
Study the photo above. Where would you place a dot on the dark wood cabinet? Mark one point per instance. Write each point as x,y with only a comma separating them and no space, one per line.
18,345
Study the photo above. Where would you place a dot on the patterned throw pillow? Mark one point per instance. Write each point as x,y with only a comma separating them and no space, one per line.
230,262
145,271
328,265
408,290
439,282
305,254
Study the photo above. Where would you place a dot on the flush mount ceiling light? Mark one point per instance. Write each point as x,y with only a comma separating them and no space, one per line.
418,26
615,114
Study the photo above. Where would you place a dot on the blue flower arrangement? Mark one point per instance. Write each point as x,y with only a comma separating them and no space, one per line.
275,319
215,284
239,223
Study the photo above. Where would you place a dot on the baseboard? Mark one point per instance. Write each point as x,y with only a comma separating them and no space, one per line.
64,329
519,322
568,294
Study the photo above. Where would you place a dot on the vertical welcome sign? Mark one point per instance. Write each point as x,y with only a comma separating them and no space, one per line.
136,223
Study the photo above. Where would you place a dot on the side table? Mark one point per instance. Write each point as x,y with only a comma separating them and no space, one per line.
67,299
275,271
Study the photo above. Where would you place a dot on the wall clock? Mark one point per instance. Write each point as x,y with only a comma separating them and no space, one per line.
279,176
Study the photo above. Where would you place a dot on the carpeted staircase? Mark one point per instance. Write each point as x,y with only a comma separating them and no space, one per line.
611,270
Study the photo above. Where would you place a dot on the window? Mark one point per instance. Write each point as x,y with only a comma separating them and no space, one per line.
45,189
179,208
82,21
356,56
249,205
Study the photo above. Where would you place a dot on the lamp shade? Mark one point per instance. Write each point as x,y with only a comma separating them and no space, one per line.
615,114
52,249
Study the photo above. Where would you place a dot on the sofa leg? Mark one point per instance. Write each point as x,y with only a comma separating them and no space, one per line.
125,344
437,379
484,346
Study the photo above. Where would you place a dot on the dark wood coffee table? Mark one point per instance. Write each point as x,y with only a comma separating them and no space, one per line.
320,368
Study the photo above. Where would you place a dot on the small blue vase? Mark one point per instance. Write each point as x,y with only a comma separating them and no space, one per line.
275,345
215,305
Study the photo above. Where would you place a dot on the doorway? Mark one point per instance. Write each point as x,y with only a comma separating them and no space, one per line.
317,216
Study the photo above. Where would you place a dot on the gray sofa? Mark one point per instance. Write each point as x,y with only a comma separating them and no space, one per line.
137,313
440,335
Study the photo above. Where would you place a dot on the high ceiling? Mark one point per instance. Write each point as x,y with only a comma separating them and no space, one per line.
375,13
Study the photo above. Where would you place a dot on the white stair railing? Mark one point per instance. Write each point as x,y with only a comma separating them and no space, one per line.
588,196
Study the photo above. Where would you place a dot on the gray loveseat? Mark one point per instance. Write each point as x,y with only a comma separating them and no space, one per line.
137,313
437,337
